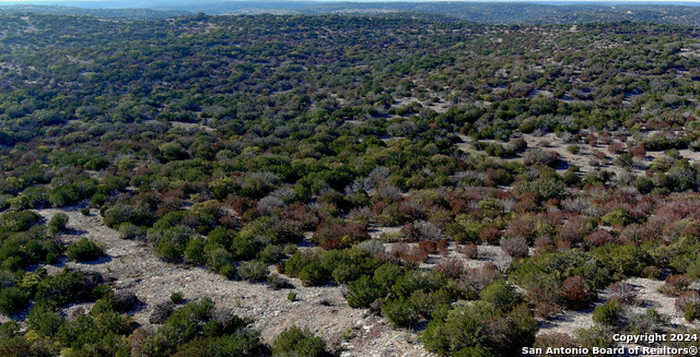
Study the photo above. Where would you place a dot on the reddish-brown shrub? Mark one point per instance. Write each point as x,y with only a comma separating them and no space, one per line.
539,157
399,249
572,230
411,210
544,245
410,255
470,250
563,245
476,279
576,293
546,296
598,238
547,310
415,256
592,139
599,154
443,247
636,233
638,151
489,234
616,148
524,226
515,247
674,285
452,267
527,202
338,235
427,246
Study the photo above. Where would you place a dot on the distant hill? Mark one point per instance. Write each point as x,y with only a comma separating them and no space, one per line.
492,13
123,13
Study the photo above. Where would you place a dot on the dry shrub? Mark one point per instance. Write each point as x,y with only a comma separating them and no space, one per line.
572,230
475,279
489,234
576,293
616,148
555,340
638,151
411,209
544,245
598,238
470,250
562,245
452,268
515,247
539,157
546,296
688,304
408,254
592,140
524,226
443,247
527,202
636,233
427,246
623,292
599,155
674,285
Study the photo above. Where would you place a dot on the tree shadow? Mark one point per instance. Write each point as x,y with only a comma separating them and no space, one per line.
74,232
101,260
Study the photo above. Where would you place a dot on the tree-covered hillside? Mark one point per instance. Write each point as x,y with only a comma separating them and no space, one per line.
452,177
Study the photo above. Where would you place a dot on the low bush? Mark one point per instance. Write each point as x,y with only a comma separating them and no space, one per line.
576,292
688,304
608,314
460,332
500,294
401,312
515,247
84,250
674,285
58,223
253,271
13,300
470,250
363,291
17,221
294,341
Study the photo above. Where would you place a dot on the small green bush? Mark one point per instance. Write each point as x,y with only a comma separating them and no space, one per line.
363,291
58,223
84,251
17,221
401,312
177,297
608,313
501,294
297,342
13,300
271,254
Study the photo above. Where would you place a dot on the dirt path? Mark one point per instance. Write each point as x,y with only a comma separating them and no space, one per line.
321,309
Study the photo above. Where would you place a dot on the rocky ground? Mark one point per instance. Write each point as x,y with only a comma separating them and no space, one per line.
133,267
